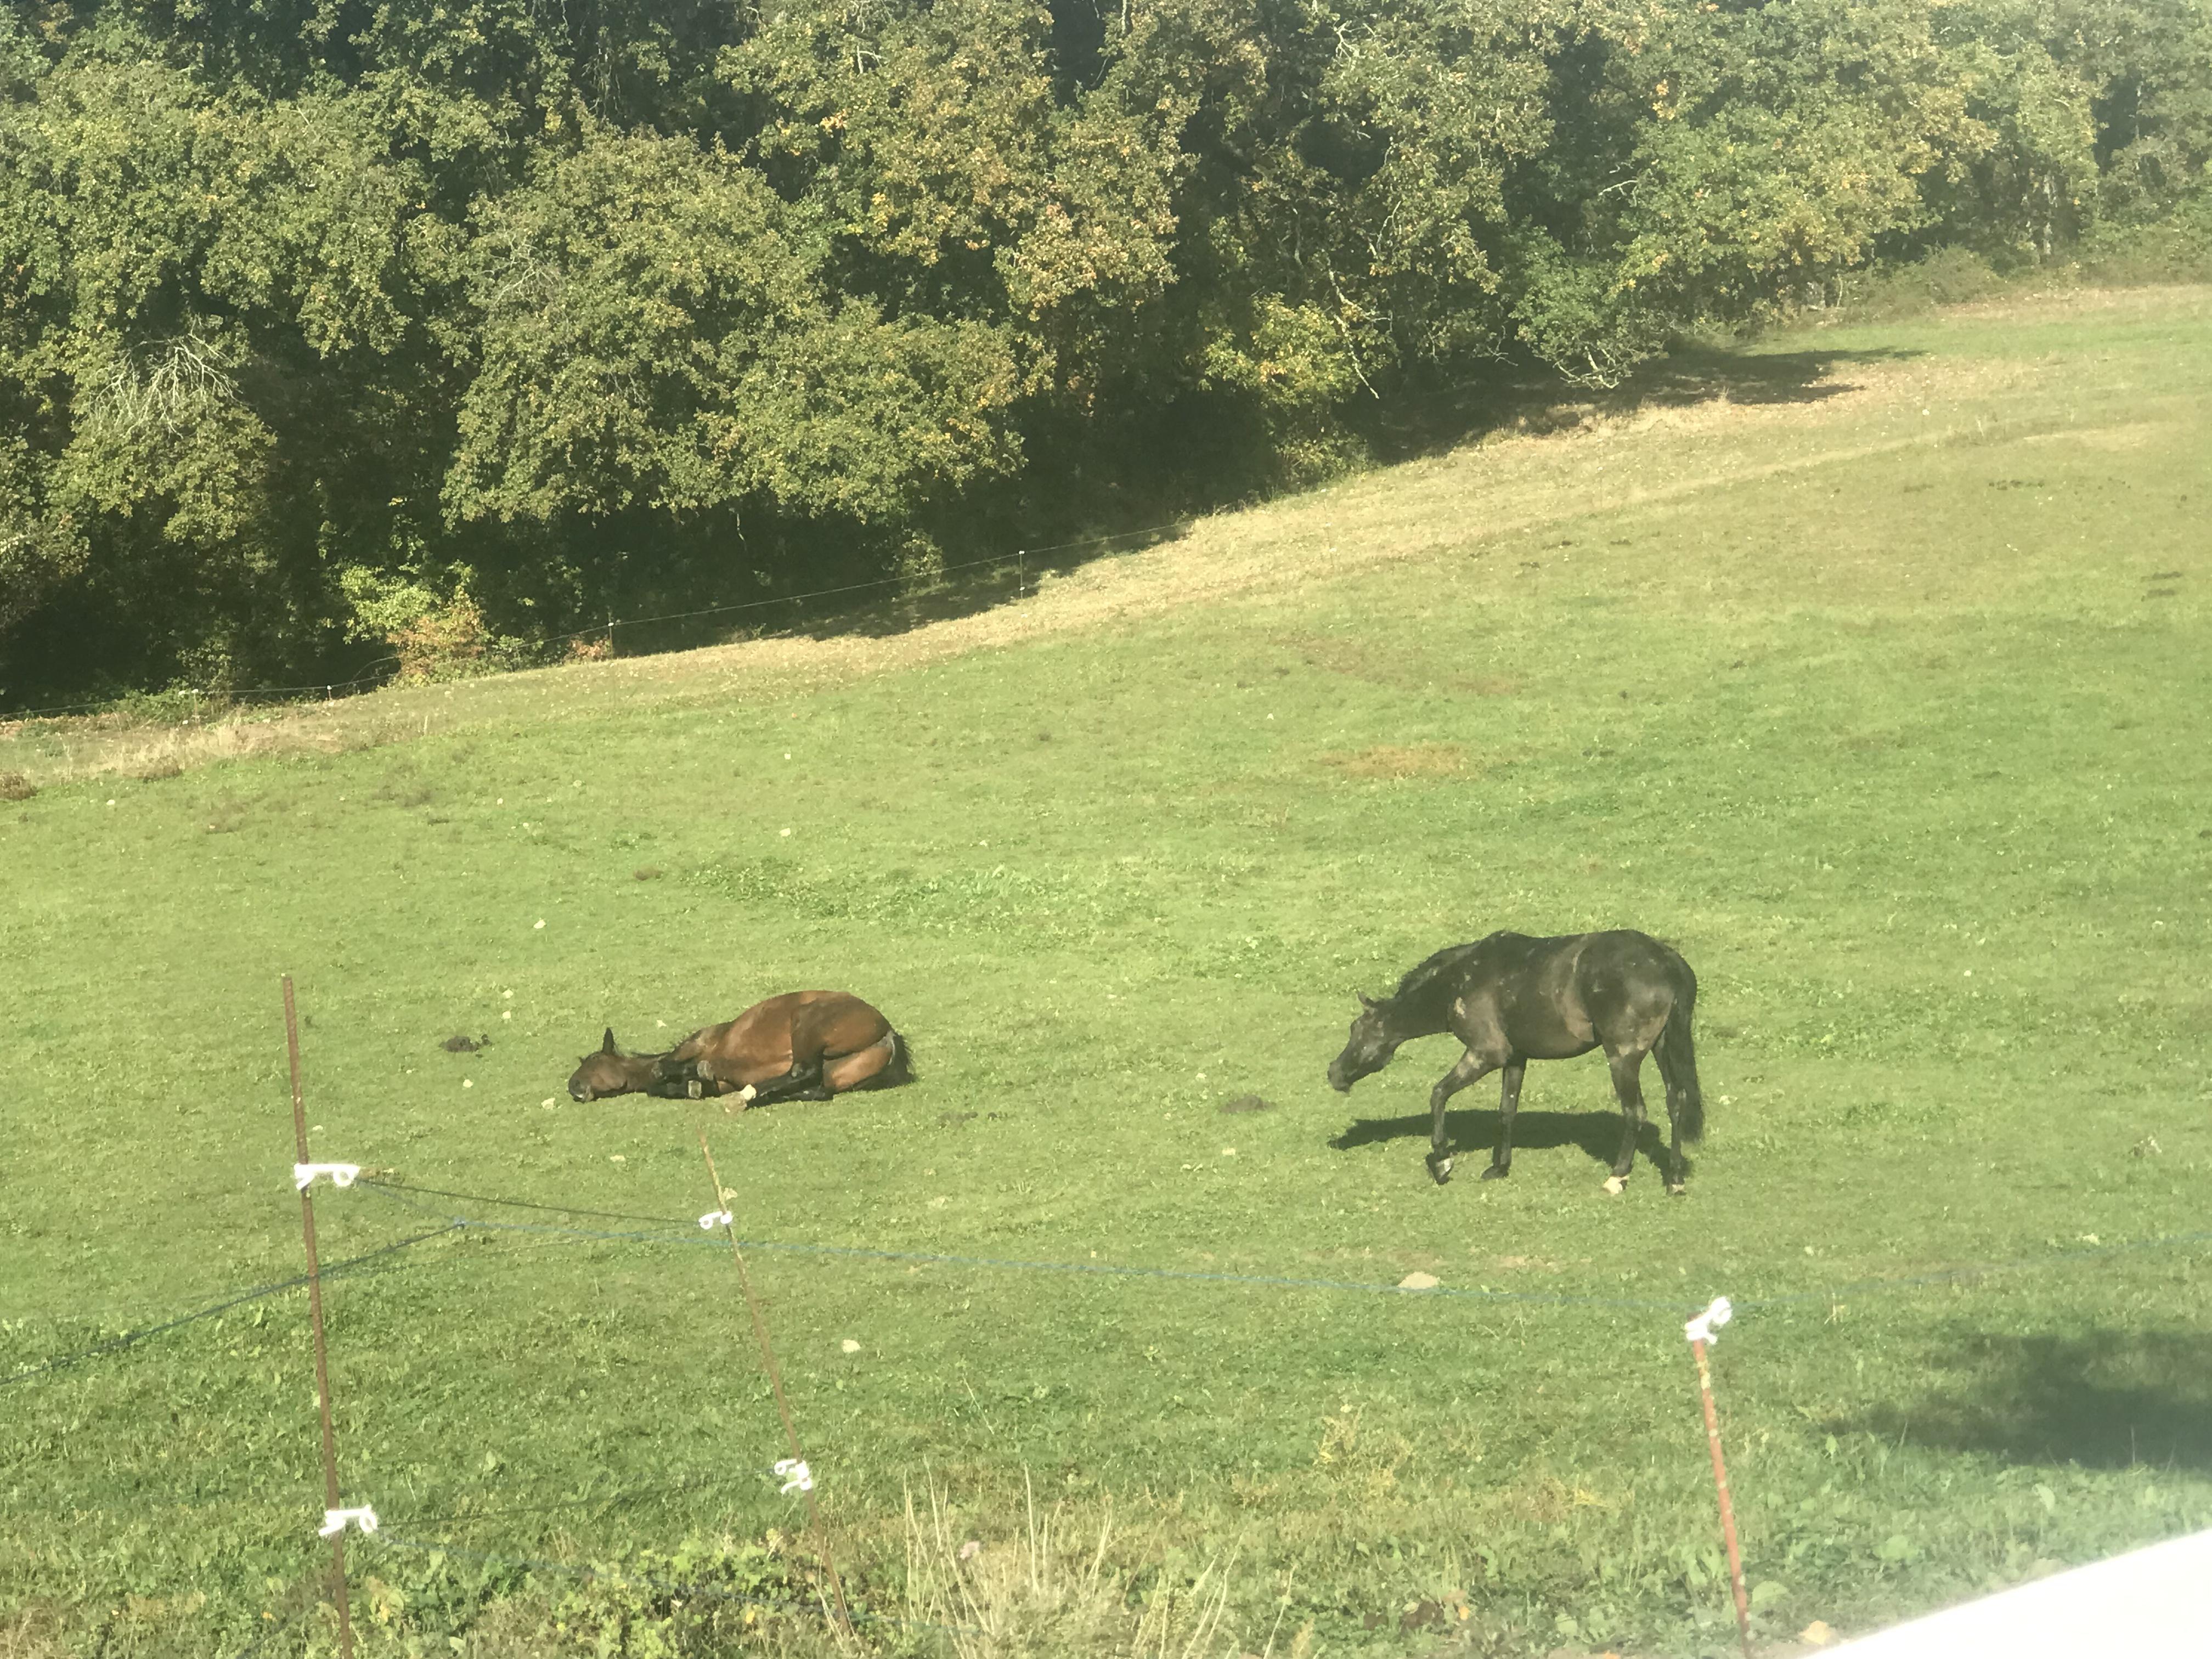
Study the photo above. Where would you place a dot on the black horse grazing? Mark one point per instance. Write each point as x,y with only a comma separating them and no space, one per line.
1511,998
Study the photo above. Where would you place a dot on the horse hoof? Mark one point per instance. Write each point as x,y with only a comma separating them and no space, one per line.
745,1095
1675,1189
1441,1170
1495,1172
692,1089
1616,1185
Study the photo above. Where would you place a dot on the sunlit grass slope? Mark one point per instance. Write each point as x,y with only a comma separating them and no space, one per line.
1869,667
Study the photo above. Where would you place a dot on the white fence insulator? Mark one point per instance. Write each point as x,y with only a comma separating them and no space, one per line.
334,1520
341,1174
801,1478
1704,1328
714,1218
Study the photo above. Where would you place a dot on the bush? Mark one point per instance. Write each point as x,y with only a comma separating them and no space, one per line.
433,636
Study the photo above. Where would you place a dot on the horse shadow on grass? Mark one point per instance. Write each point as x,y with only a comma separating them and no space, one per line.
1474,1135
2102,1398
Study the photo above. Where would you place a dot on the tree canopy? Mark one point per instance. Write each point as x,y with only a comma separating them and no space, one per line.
322,321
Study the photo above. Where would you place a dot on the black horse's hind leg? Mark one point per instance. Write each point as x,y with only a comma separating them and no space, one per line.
1509,1101
1675,1096
1470,1068
1628,1084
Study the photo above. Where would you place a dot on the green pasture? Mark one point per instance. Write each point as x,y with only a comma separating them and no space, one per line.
1896,729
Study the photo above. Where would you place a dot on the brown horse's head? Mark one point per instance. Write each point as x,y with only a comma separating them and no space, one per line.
1368,1047
610,1072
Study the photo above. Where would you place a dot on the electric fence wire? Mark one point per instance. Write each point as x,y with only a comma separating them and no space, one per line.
255,1293
684,1233
612,1498
687,1232
935,1258
999,560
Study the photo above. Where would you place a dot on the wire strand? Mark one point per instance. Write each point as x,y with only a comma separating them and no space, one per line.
691,1238
1862,1287
132,1339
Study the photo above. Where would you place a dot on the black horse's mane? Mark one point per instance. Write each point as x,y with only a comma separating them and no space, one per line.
1426,979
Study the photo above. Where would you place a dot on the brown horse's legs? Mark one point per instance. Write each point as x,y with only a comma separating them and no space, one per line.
851,1071
825,1075
821,1060
802,1082
1509,1101
1628,1085
1471,1065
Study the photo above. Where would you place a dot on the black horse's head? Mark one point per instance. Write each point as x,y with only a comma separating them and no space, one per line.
1368,1050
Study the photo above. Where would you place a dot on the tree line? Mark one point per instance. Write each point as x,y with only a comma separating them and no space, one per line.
440,329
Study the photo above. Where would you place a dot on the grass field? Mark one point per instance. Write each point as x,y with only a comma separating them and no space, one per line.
1868,666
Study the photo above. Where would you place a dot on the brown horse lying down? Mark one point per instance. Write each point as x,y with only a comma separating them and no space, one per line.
803,1045
611,1072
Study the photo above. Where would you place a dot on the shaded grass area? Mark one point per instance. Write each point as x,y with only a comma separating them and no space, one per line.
1887,719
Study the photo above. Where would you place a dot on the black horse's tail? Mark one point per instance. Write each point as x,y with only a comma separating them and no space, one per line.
1678,1058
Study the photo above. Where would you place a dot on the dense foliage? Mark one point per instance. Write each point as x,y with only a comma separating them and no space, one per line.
329,329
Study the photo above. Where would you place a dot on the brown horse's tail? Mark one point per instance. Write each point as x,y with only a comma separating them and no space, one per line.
901,1070
1678,1058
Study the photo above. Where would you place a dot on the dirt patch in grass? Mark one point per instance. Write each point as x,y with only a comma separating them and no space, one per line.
1395,760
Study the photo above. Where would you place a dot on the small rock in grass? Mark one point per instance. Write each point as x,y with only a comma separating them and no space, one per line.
1817,1634
462,1045
849,1347
1419,1282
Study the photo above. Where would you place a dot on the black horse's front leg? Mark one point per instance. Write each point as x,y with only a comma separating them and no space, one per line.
1509,1101
1471,1067
1628,1084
